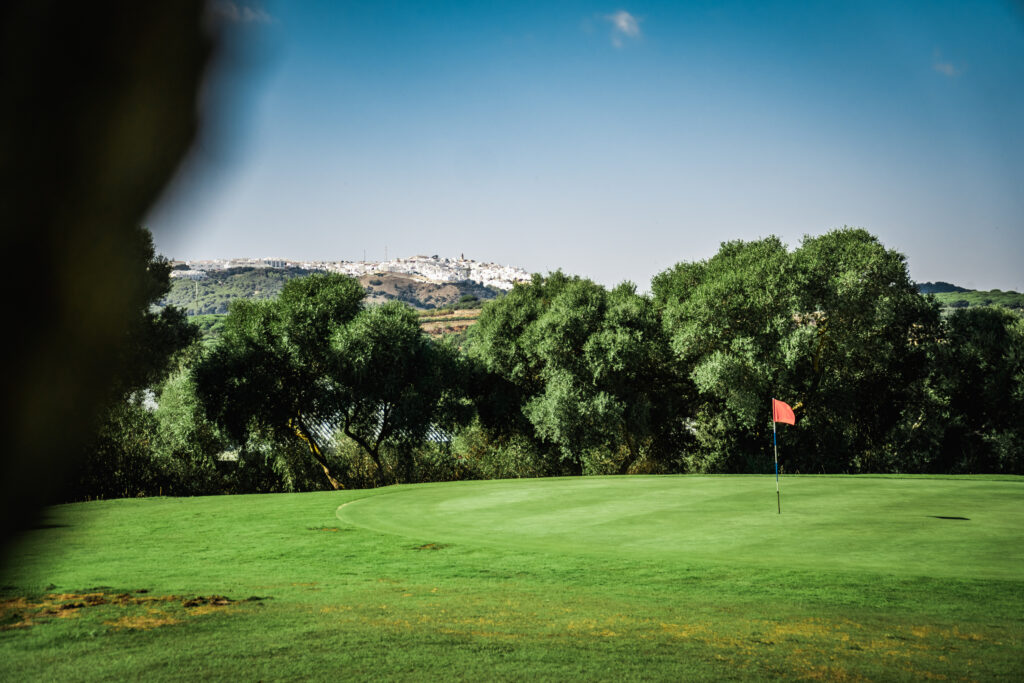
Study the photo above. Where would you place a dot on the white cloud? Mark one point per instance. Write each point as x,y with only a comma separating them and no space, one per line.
624,25
240,14
945,67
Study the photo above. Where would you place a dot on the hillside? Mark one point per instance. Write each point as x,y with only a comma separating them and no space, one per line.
423,294
951,296
448,321
939,287
993,297
213,294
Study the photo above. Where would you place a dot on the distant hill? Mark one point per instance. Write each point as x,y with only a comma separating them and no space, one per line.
939,288
214,293
951,296
994,297
423,294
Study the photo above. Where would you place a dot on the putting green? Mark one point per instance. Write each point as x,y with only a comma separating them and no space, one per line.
942,527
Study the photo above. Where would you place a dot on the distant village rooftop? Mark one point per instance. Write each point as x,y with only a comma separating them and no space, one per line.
434,268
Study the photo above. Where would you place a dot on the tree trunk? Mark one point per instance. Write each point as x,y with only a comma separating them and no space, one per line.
307,436
373,452
632,456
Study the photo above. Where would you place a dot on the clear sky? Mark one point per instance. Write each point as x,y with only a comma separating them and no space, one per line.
612,140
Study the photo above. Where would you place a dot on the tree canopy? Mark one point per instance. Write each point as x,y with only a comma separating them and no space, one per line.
313,357
836,327
590,370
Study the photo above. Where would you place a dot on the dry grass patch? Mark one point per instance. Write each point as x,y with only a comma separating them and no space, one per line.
119,610
142,622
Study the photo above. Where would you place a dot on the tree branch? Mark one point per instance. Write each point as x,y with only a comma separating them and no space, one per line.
304,434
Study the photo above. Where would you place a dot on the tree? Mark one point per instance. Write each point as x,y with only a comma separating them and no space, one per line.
149,344
396,385
151,339
835,327
314,357
730,320
270,372
590,370
860,358
185,443
977,374
119,462
504,373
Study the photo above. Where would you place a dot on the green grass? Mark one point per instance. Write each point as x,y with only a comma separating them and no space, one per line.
664,578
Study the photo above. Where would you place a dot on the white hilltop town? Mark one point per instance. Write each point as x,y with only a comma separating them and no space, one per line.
430,268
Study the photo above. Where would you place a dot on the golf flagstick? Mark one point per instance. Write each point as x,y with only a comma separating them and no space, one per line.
775,443
781,412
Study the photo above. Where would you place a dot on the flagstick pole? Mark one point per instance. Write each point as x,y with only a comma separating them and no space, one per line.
775,443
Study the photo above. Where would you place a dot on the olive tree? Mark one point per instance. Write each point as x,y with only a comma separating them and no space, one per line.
977,376
395,384
271,370
590,370
730,320
836,328
315,357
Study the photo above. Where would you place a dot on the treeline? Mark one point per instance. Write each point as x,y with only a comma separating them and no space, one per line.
565,377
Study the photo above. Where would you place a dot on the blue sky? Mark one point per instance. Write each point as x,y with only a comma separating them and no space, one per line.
611,140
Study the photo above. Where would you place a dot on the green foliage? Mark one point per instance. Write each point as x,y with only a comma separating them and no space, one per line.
467,302
311,310
247,376
977,422
185,443
938,287
213,294
563,376
727,319
211,326
395,384
488,455
836,328
315,356
862,374
119,459
151,337
120,462
591,370
264,378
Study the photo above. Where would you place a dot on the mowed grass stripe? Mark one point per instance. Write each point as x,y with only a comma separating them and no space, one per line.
911,526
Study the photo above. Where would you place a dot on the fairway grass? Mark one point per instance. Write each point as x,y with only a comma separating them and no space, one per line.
670,578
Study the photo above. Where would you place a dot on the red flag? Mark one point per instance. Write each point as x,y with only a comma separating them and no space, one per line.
782,413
